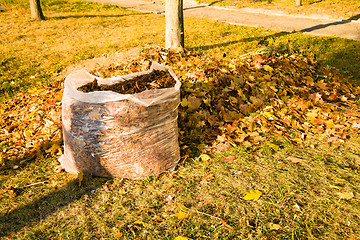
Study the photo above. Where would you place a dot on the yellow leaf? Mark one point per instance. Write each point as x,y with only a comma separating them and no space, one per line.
31,90
336,187
204,157
27,133
181,215
54,148
34,89
241,94
252,195
297,140
269,116
207,101
274,226
184,102
273,146
268,68
330,124
31,114
81,178
232,66
182,238
140,223
58,97
311,115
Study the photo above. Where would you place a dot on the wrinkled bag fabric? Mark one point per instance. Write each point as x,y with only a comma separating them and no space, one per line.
119,135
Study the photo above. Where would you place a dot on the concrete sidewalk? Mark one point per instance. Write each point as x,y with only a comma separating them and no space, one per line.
346,28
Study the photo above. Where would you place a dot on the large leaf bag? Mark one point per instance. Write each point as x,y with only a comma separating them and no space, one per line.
119,135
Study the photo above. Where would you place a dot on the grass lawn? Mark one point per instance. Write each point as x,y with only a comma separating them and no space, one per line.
308,191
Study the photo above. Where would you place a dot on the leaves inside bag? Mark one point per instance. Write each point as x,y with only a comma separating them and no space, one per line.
157,79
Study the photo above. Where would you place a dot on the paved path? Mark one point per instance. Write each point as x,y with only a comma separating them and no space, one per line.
345,28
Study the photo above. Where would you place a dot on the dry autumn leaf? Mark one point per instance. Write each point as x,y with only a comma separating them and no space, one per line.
27,133
228,159
181,215
268,68
122,191
274,226
182,238
204,157
221,98
252,195
194,103
294,159
117,232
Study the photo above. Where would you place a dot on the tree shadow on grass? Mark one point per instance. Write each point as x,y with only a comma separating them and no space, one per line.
262,40
94,16
31,214
340,59
321,26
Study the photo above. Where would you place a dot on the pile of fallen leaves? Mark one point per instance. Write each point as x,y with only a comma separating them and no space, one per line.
241,101
223,101
31,126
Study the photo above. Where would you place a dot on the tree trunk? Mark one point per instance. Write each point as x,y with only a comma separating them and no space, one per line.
174,36
298,3
36,12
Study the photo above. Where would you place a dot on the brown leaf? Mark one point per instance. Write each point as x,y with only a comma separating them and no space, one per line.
221,138
295,159
319,121
221,146
228,159
194,102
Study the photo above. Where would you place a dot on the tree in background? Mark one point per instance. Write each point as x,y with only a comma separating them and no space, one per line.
298,3
36,11
174,36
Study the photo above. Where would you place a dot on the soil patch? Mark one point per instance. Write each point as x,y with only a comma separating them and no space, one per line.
157,79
